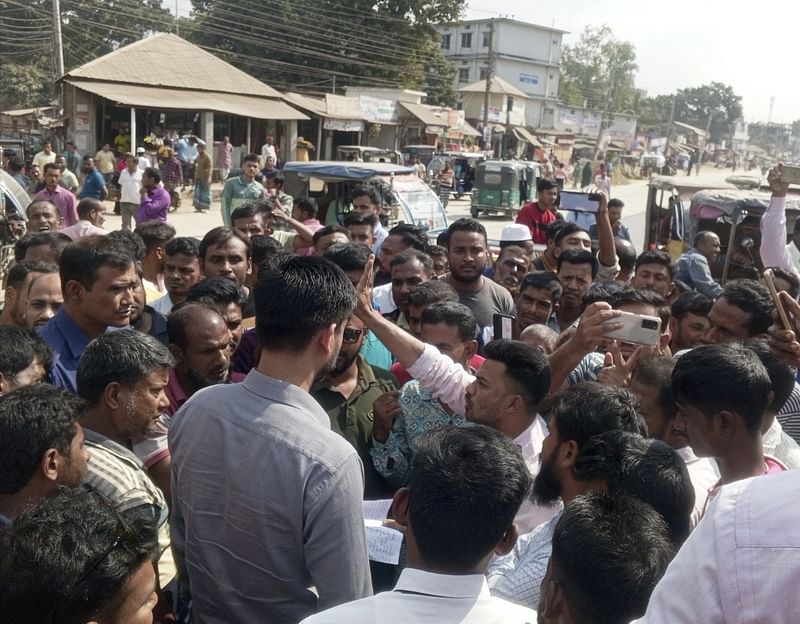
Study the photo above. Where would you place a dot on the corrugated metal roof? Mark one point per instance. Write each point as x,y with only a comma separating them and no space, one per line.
426,114
190,99
166,60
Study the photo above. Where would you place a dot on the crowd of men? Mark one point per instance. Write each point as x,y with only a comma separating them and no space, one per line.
196,430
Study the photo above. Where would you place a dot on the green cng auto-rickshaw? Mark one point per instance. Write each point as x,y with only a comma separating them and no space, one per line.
503,187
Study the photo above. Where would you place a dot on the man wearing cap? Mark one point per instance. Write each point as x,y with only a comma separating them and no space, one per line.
539,214
514,235
144,161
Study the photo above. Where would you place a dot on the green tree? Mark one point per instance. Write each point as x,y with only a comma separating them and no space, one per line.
25,86
598,71
653,113
716,104
318,43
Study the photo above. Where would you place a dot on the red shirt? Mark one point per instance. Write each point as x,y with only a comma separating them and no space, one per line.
402,376
537,221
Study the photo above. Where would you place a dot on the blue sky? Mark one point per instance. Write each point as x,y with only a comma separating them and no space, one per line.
682,43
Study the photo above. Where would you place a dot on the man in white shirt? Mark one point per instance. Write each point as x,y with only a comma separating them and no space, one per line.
144,161
130,182
458,511
740,565
578,414
46,156
504,394
268,150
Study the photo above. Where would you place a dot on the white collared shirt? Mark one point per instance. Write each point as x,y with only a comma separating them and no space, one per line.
704,474
530,442
740,565
779,445
424,597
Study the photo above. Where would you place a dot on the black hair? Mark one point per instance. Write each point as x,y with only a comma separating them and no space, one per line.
246,211
453,314
545,185
645,297
626,253
86,205
644,468
19,347
781,376
575,256
754,298
609,552
411,254
55,241
691,303
298,298
276,177
67,560
363,191
616,203
466,487
349,256
356,217
132,241
566,229
527,369
185,245
656,374
155,233
51,165
442,239
544,280
218,236
656,256
554,228
602,291
262,248
588,409
251,158
124,357
83,258
307,205
465,225
411,235
153,174
720,377
33,419
788,276
20,271
181,316
434,291
327,231
436,251
219,291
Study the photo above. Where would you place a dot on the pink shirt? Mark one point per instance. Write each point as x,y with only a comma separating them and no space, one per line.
83,228
62,199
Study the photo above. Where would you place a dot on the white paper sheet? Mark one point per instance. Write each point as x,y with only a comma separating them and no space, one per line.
383,543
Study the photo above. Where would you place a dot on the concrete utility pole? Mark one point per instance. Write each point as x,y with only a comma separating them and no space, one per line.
671,122
58,65
487,134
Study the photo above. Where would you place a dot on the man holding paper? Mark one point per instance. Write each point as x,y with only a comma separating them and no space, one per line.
458,511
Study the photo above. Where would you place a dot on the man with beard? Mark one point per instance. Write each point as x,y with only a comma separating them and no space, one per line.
123,377
576,272
41,446
578,414
294,517
347,393
98,279
409,269
19,280
689,321
467,254
401,237
94,184
512,264
44,299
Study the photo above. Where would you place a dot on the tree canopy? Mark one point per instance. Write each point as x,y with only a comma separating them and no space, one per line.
599,71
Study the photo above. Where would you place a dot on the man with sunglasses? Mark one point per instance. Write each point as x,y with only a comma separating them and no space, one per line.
348,392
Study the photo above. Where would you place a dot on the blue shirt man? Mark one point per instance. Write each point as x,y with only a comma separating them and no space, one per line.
93,185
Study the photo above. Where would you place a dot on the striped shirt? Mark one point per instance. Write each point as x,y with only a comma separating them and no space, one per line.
789,416
118,475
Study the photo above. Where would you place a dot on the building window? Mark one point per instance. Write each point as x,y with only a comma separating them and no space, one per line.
487,37
483,73
463,74
466,40
445,42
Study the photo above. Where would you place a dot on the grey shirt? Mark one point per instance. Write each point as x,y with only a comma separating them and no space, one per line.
485,303
267,504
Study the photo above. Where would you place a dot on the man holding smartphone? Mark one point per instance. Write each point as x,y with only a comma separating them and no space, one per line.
774,250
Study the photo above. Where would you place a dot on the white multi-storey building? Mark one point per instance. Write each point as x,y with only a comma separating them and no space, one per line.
527,56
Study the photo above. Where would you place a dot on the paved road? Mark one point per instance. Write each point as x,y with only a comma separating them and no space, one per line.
190,223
